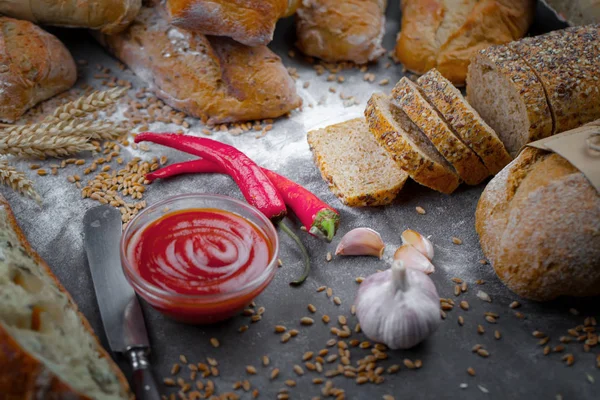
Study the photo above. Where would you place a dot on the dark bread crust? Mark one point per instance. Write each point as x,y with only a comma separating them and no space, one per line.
22,375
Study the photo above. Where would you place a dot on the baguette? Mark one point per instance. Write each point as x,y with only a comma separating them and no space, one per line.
108,16
509,96
538,223
47,347
465,121
407,96
34,66
341,30
212,78
249,22
357,170
408,146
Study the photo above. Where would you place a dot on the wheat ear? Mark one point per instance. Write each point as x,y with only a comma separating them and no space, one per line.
17,180
84,106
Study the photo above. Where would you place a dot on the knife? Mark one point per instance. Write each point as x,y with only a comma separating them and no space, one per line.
119,307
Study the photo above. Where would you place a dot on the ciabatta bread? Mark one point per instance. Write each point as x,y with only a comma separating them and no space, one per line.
341,30
357,169
108,16
408,146
408,97
445,34
249,22
539,225
212,78
47,347
464,120
34,66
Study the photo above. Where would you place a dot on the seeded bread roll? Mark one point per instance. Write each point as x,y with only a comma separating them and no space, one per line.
509,96
539,225
407,96
47,348
567,64
464,120
358,171
212,78
34,66
408,146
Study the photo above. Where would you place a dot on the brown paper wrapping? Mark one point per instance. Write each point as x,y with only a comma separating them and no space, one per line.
581,147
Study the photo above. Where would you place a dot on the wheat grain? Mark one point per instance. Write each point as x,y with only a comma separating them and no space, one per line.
9,176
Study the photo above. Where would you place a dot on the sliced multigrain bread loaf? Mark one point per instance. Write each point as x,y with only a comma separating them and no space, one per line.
358,170
464,120
408,97
509,96
567,62
408,146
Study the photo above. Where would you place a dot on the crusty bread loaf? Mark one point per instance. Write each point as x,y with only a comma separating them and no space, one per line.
464,120
577,12
408,146
445,34
47,347
341,30
109,16
508,95
34,66
567,63
539,225
215,79
358,171
249,22
407,96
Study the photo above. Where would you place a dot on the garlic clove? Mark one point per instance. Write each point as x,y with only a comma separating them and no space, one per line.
419,242
412,258
361,242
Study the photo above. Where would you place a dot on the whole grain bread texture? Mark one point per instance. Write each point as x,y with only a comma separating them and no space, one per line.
567,64
356,168
341,30
510,97
577,12
445,34
464,120
538,222
408,146
48,349
408,97
249,22
108,16
212,78
34,66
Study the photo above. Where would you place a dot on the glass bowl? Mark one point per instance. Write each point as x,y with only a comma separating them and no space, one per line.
199,308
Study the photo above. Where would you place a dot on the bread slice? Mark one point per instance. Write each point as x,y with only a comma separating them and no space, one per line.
567,64
465,121
408,146
47,348
407,96
508,95
357,169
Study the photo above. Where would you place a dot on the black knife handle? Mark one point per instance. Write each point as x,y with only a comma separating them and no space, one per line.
144,385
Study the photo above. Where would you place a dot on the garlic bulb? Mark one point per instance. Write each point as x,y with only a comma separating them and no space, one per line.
412,258
419,242
361,242
399,307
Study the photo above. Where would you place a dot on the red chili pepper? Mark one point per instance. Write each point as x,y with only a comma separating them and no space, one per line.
318,217
254,184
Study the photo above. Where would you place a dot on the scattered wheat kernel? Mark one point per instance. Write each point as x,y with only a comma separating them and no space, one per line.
280,329
312,308
290,382
274,373
328,257
183,359
544,341
463,287
519,315
464,305
285,337
325,318
342,320
393,369
307,356
321,288
538,334
490,319
294,332
251,370
331,342
329,292
418,364
214,342
420,210
559,349
458,281
361,380
497,335
483,353
298,370
317,381
307,321
243,328
569,359
42,172
169,381
573,311
456,290
175,369
471,371
255,318
461,320
480,329
456,240
337,300
515,304
409,364
359,279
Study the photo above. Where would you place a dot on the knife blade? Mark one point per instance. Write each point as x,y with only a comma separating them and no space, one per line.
120,309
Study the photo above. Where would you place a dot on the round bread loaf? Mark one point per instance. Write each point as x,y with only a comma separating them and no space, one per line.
538,222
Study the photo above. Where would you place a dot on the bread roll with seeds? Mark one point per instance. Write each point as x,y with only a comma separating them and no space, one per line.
49,350
356,168
408,97
464,120
509,96
408,146
539,225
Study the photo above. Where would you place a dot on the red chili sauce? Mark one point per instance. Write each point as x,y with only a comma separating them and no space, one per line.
201,252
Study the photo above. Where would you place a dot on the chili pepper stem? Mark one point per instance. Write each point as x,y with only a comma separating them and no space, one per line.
305,254
325,225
